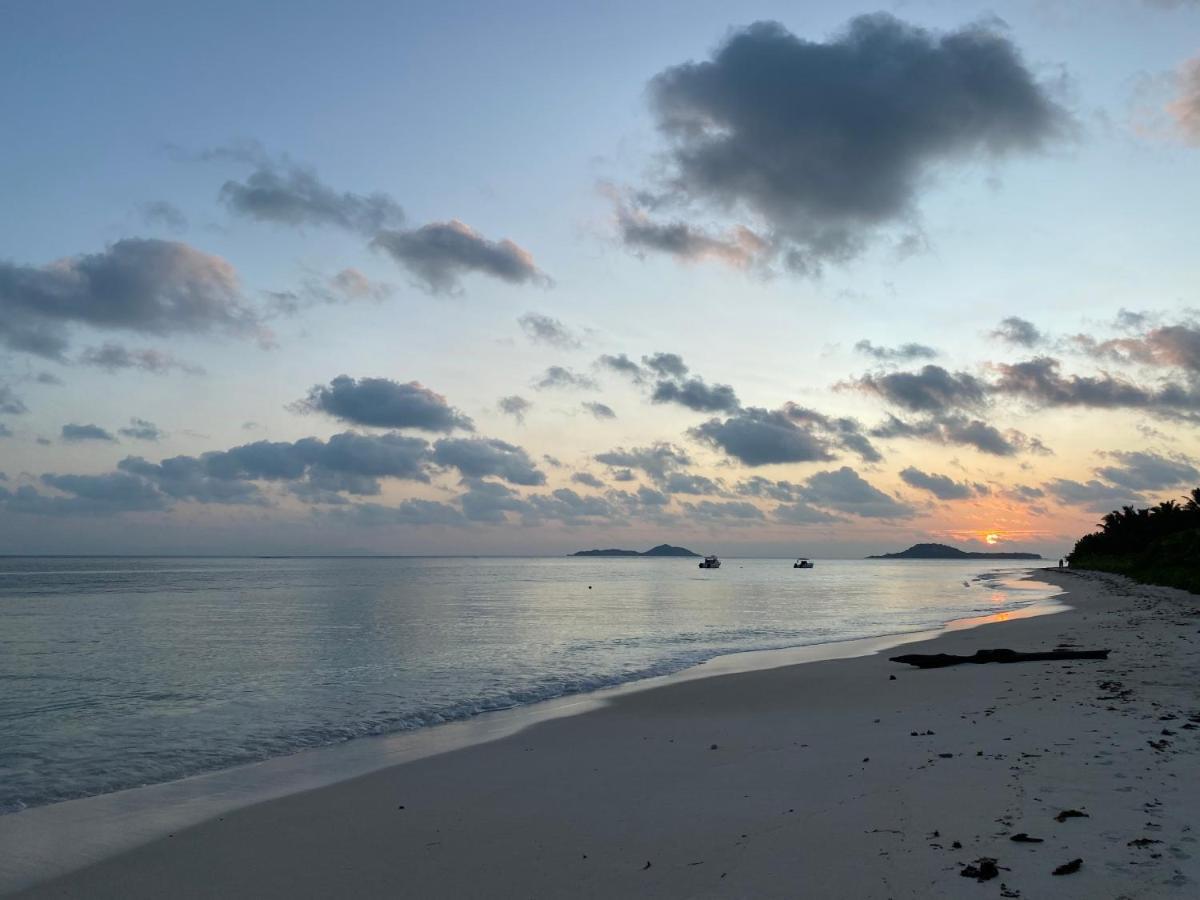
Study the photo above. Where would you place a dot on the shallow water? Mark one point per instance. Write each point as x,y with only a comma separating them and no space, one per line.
116,673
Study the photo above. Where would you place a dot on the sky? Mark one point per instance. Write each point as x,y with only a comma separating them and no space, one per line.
525,278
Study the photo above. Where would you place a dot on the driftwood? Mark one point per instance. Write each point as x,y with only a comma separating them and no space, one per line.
940,660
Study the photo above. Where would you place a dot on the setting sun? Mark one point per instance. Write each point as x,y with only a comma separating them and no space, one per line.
993,538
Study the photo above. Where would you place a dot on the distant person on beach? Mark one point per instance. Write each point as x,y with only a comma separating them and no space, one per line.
1061,562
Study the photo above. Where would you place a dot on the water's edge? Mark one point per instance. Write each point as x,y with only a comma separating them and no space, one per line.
45,841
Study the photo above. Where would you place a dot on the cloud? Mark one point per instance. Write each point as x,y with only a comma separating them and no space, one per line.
77,433
542,329
622,365
1168,346
441,253
347,286
599,410
656,460
383,403
759,437
161,212
686,483
188,478
488,501
739,247
1185,107
1141,470
941,486
112,357
87,495
561,377
483,457
931,390
141,430
1015,330
1092,495
10,403
724,509
515,406
287,194
408,512
1040,382
958,429
801,513
136,284
666,365
903,353
844,490
826,142
5,432
587,478
695,394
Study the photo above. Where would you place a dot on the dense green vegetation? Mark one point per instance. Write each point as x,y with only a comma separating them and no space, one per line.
1160,545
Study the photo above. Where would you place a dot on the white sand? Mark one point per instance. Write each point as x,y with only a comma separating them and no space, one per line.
816,788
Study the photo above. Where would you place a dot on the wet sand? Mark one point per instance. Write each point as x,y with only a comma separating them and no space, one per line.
847,778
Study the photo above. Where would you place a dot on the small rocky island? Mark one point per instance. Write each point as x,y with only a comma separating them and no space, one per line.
943,551
660,550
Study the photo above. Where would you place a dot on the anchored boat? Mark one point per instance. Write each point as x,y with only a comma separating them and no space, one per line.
710,562
802,563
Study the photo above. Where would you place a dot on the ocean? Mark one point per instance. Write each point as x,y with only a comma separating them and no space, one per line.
122,672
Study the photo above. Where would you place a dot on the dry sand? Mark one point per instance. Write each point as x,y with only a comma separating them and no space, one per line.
830,779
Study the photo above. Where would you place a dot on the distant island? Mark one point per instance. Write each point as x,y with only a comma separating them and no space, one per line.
660,550
942,551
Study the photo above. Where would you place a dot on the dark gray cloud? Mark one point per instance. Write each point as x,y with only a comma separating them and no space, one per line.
408,512
1041,382
666,365
383,403
826,142
931,390
514,405
623,365
903,353
10,403
48,378
76,433
941,486
1092,495
760,437
137,284
801,513
164,214
959,429
1140,470
188,478
1169,346
844,490
599,410
695,394
724,509
757,486
488,501
5,432
1015,330
687,483
141,430
842,432
656,460
86,495
587,478
562,377
113,357
439,254
287,194
542,329
483,457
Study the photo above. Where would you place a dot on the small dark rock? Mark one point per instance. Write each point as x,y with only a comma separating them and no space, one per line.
957,845
1070,814
713,747
891,678
1142,842
1023,838
1068,868
984,869
646,866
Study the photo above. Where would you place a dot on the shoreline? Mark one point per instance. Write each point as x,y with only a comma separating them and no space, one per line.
57,838
752,700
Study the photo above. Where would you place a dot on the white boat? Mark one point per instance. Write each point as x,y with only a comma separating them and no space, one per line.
802,563
710,562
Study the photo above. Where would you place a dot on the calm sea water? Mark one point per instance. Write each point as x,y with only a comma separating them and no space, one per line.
122,672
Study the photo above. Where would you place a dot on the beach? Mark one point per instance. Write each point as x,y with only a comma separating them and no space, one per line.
846,778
